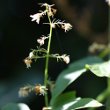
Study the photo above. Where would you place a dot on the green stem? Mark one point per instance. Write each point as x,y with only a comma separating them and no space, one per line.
47,60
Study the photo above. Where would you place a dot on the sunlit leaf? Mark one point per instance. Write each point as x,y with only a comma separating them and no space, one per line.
84,103
65,79
23,106
101,70
69,75
73,104
63,99
88,60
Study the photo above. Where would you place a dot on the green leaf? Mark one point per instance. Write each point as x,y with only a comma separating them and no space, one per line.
70,75
71,103
101,70
80,103
63,99
88,60
65,79
68,102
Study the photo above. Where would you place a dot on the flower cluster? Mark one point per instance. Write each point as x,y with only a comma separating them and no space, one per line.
51,12
41,52
48,10
59,23
63,57
37,89
35,55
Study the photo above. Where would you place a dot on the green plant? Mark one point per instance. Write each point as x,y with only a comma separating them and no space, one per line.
44,53
59,100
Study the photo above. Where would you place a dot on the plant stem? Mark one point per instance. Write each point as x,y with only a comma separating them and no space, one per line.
47,59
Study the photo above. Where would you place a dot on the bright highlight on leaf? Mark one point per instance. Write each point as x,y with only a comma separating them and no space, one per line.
65,79
101,70
67,101
23,106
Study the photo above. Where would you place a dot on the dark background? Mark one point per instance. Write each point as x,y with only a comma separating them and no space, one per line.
18,35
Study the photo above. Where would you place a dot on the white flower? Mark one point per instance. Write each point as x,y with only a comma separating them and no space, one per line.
53,25
66,58
66,26
31,55
51,11
28,62
41,90
36,17
108,1
41,40
24,91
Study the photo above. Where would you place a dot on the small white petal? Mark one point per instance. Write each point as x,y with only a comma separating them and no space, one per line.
36,17
31,55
